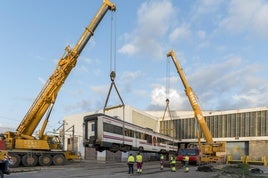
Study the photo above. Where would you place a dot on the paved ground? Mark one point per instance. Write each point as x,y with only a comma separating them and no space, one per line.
102,169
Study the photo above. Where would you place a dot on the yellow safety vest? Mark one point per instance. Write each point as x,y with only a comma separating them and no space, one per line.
162,157
172,160
131,159
186,158
139,159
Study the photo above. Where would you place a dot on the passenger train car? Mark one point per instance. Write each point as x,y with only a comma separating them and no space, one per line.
104,132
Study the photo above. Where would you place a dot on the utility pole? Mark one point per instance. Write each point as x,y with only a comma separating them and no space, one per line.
63,134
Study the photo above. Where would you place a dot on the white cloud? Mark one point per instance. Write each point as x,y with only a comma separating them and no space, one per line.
179,32
260,24
204,8
128,49
246,16
230,84
253,97
159,96
153,15
153,21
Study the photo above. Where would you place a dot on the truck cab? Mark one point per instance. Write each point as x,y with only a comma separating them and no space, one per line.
190,150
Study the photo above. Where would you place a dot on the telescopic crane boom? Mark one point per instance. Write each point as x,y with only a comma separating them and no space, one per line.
22,139
192,99
210,148
48,94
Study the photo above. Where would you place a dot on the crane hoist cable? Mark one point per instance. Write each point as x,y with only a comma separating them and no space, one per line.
113,70
113,73
112,77
167,87
113,43
167,108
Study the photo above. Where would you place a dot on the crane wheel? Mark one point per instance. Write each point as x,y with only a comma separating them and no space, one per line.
59,159
29,160
15,159
45,160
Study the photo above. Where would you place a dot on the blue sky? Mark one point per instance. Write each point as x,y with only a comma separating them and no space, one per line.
221,45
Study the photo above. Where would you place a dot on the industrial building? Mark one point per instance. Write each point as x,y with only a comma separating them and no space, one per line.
245,130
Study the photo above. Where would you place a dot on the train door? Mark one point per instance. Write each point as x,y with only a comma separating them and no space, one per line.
90,131
137,136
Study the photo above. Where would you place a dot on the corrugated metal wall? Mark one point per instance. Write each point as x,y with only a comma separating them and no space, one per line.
110,156
90,153
247,124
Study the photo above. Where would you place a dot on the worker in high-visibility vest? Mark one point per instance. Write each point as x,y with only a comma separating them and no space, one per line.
162,160
139,163
186,163
173,163
130,162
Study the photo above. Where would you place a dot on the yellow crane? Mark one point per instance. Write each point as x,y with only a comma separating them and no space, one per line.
210,151
46,150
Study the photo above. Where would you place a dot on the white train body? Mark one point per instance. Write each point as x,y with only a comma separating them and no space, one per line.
106,133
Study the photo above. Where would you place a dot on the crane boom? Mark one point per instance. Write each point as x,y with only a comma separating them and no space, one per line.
48,94
192,98
47,149
211,151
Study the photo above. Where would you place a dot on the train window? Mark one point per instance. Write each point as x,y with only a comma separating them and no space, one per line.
112,128
148,138
129,133
159,140
138,134
132,133
107,127
164,141
118,130
92,127
124,131
170,143
143,136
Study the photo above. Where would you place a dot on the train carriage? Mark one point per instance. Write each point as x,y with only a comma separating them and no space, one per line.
104,132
